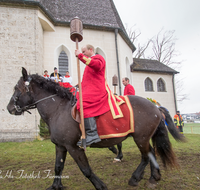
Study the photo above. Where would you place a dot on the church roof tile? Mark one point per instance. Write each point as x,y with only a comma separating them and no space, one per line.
148,65
95,14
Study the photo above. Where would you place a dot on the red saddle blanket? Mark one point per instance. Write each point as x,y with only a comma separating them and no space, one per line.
108,127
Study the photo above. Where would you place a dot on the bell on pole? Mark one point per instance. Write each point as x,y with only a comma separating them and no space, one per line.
115,80
115,83
76,35
76,29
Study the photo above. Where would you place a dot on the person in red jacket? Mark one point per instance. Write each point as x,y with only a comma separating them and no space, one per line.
46,74
128,90
94,94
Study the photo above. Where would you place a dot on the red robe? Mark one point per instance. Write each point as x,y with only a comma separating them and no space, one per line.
95,96
129,90
46,76
67,85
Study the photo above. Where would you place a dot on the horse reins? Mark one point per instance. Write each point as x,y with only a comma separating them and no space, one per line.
30,106
33,105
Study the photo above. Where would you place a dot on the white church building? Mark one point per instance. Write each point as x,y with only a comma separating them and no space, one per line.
35,34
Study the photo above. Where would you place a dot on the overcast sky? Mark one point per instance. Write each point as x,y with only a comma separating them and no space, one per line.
183,16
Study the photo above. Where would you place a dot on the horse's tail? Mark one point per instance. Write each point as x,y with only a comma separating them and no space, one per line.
163,146
170,125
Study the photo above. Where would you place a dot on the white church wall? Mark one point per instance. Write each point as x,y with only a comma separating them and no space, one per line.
166,99
101,40
28,39
125,59
20,46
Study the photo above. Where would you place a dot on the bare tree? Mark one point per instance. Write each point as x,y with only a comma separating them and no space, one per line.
164,48
179,90
164,51
133,35
140,51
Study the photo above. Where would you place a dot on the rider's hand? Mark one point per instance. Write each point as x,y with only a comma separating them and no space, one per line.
77,52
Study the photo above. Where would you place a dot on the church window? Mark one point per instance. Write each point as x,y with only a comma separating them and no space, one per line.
63,65
161,85
148,84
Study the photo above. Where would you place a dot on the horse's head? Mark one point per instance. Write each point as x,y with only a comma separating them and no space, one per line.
22,96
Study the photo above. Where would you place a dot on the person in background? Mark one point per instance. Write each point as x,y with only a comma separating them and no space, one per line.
178,121
128,90
46,74
56,76
67,78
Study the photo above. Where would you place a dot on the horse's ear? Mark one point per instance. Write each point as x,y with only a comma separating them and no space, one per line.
24,74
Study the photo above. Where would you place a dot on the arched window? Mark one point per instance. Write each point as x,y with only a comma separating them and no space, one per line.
62,60
99,51
63,65
148,84
161,85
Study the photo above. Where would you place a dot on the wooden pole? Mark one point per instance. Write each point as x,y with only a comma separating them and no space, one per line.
191,130
81,101
114,89
115,82
76,28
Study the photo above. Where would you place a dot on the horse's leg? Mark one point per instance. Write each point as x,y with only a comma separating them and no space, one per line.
155,172
80,158
139,172
59,165
120,155
113,149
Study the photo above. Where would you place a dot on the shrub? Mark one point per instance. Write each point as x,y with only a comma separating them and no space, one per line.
44,130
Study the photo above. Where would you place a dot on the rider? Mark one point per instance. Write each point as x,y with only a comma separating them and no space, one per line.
95,96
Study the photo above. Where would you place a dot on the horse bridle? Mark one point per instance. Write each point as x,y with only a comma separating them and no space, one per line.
30,106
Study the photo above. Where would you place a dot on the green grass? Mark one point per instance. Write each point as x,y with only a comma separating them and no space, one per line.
39,156
192,124
193,128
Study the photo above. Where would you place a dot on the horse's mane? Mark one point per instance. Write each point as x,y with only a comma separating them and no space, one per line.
51,86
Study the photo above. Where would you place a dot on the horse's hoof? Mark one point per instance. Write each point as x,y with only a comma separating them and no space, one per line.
50,188
116,160
156,177
104,187
133,182
154,180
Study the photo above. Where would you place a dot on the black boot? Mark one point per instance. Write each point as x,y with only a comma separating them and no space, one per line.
91,131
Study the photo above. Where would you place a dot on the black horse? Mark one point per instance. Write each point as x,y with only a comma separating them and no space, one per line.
54,105
170,126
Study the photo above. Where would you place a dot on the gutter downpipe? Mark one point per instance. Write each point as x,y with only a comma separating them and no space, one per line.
117,55
174,93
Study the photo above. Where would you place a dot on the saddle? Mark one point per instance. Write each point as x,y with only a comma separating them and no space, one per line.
76,114
108,127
